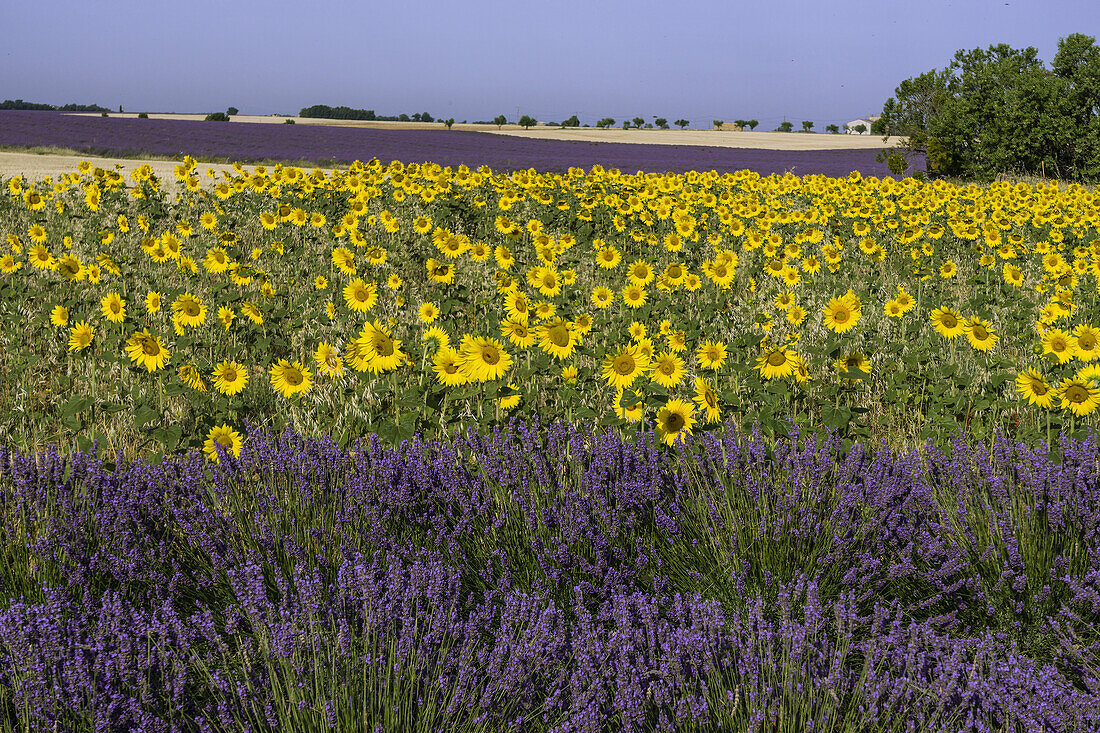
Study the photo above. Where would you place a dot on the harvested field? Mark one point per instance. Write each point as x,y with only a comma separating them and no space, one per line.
330,145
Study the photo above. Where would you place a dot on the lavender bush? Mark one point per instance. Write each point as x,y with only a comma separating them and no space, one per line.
554,579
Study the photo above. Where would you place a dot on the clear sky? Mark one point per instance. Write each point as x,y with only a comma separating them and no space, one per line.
702,60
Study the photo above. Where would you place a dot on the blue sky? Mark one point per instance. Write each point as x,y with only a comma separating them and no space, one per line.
829,62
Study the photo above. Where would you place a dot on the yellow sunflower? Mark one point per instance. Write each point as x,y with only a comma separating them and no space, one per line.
484,359
447,367
1034,388
1087,342
624,366
979,334
711,355
707,400
948,323
675,420
1059,344
189,310
113,308
840,315
602,297
634,295
225,438
289,379
556,338
328,360
376,350
80,336
776,363
1078,396
146,350
229,378
667,370
360,295
59,316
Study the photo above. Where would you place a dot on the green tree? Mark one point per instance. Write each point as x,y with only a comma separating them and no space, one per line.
832,129
860,128
661,122
571,122
230,111
638,122
753,124
878,127
785,126
682,123
449,122
807,125
741,123
606,122
718,124
526,121
499,120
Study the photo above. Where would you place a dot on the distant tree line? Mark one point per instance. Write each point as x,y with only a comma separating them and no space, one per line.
323,111
19,104
1001,110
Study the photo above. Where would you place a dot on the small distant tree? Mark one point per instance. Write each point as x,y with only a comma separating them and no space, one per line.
448,122
860,128
217,117
832,129
526,121
402,117
661,122
416,117
649,125
120,108
878,127
741,123
232,111
425,117
785,127
638,122
143,115
571,122
753,124
288,122
626,124
499,120
605,122
807,125
718,124
682,123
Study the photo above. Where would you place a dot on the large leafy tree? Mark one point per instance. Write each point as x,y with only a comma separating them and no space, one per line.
999,110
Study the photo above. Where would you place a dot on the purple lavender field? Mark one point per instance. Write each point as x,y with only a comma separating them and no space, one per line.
249,142
546,579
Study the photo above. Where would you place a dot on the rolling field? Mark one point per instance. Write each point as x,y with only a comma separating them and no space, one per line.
432,446
330,144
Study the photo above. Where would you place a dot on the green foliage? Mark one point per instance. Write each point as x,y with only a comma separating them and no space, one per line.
571,122
833,129
143,115
753,124
807,125
682,123
605,122
718,124
785,127
232,111
449,122
1000,110
526,121
638,122
213,117
499,120
661,122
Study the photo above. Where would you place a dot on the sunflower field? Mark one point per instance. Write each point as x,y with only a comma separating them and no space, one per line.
413,299
405,447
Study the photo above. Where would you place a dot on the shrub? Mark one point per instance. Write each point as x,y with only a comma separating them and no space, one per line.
217,117
143,115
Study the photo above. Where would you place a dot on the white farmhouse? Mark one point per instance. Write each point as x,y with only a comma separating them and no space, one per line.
866,122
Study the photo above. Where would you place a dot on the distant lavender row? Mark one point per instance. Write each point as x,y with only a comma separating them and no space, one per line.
544,578
245,141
